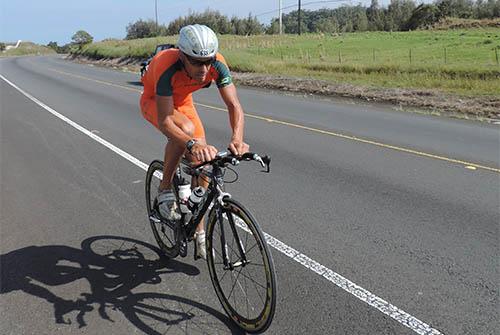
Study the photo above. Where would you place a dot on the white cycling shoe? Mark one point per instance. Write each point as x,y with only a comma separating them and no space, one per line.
167,206
200,249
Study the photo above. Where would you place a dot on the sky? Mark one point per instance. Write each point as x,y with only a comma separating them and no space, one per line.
57,20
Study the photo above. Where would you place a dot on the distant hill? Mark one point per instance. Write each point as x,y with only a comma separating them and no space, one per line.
27,48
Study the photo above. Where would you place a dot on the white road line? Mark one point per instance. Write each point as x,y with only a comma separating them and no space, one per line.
364,295
80,128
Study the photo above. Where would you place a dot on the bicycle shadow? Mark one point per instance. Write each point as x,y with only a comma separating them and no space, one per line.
113,266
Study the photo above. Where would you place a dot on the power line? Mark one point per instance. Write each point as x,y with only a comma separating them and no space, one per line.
275,10
303,5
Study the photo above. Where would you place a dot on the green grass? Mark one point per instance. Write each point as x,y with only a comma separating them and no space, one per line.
28,48
456,61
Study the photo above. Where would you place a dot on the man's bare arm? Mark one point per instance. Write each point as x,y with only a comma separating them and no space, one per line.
236,119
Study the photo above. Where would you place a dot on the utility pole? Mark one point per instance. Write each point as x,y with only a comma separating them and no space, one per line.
281,14
156,14
299,17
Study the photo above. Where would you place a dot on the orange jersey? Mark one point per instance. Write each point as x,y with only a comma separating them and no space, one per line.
166,77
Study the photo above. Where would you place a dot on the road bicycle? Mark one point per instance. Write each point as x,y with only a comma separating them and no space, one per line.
239,261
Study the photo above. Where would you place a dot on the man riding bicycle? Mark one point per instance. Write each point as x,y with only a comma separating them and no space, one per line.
166,102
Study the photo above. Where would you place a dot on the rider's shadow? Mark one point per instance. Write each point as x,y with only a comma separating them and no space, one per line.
113,266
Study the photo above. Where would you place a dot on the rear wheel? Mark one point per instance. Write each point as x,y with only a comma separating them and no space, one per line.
247,291
165,232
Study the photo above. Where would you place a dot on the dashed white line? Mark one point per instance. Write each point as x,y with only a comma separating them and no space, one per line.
362,294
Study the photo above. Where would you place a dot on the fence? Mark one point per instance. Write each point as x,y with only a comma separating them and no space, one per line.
411,56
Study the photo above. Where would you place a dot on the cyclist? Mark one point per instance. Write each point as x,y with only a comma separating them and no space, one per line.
166,102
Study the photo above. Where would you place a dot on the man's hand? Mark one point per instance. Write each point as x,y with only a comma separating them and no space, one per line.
203,152
238,147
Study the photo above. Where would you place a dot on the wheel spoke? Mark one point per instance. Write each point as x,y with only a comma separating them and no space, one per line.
218,253
248,308
234,285
248,250
261,299
245,289
254,281
225,273
255,264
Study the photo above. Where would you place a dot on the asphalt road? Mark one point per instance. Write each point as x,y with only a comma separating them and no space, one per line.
390,219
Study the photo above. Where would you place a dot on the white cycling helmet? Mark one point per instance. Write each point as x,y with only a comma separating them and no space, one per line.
198,41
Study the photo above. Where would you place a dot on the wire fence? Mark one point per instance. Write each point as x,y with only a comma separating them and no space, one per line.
411,56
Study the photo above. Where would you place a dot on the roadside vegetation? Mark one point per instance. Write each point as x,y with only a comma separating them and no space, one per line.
27,48
443,55
398,15
451,46
463,61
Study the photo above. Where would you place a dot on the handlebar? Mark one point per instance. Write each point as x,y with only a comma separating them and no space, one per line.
224,158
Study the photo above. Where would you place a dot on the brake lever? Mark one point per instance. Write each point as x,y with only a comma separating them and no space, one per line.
267,161
264,162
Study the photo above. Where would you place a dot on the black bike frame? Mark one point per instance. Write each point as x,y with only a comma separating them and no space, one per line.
216,179
212,192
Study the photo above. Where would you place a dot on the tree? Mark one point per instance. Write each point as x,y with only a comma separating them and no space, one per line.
2,46
53,45
423,15
399,11
456,8
495,8
360,19
327,25
81,37
252,26
290,22
143,29
375,16
237,26
64,49
274,27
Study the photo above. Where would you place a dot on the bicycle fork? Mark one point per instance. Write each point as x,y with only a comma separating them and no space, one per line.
228,265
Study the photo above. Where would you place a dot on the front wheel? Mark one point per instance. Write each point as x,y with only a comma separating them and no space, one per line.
246,289
165,232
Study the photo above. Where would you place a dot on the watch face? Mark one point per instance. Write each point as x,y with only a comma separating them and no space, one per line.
189,144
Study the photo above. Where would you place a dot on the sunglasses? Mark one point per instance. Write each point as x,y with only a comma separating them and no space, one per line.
198,62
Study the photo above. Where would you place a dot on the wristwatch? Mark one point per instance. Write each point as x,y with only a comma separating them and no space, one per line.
189,144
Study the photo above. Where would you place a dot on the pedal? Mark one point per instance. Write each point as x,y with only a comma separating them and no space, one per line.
154,219
172,224
183,249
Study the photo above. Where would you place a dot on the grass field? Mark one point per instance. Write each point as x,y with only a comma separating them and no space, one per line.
28,48
458,61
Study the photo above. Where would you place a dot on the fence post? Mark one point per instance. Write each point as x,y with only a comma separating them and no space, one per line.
374,55
445,58
410,56
496,54
340,57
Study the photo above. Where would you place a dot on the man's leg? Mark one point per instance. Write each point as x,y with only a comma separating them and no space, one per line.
199,135
200,181
199,235
174,150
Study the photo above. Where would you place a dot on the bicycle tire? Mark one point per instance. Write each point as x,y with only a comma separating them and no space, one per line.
165,236
260,318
